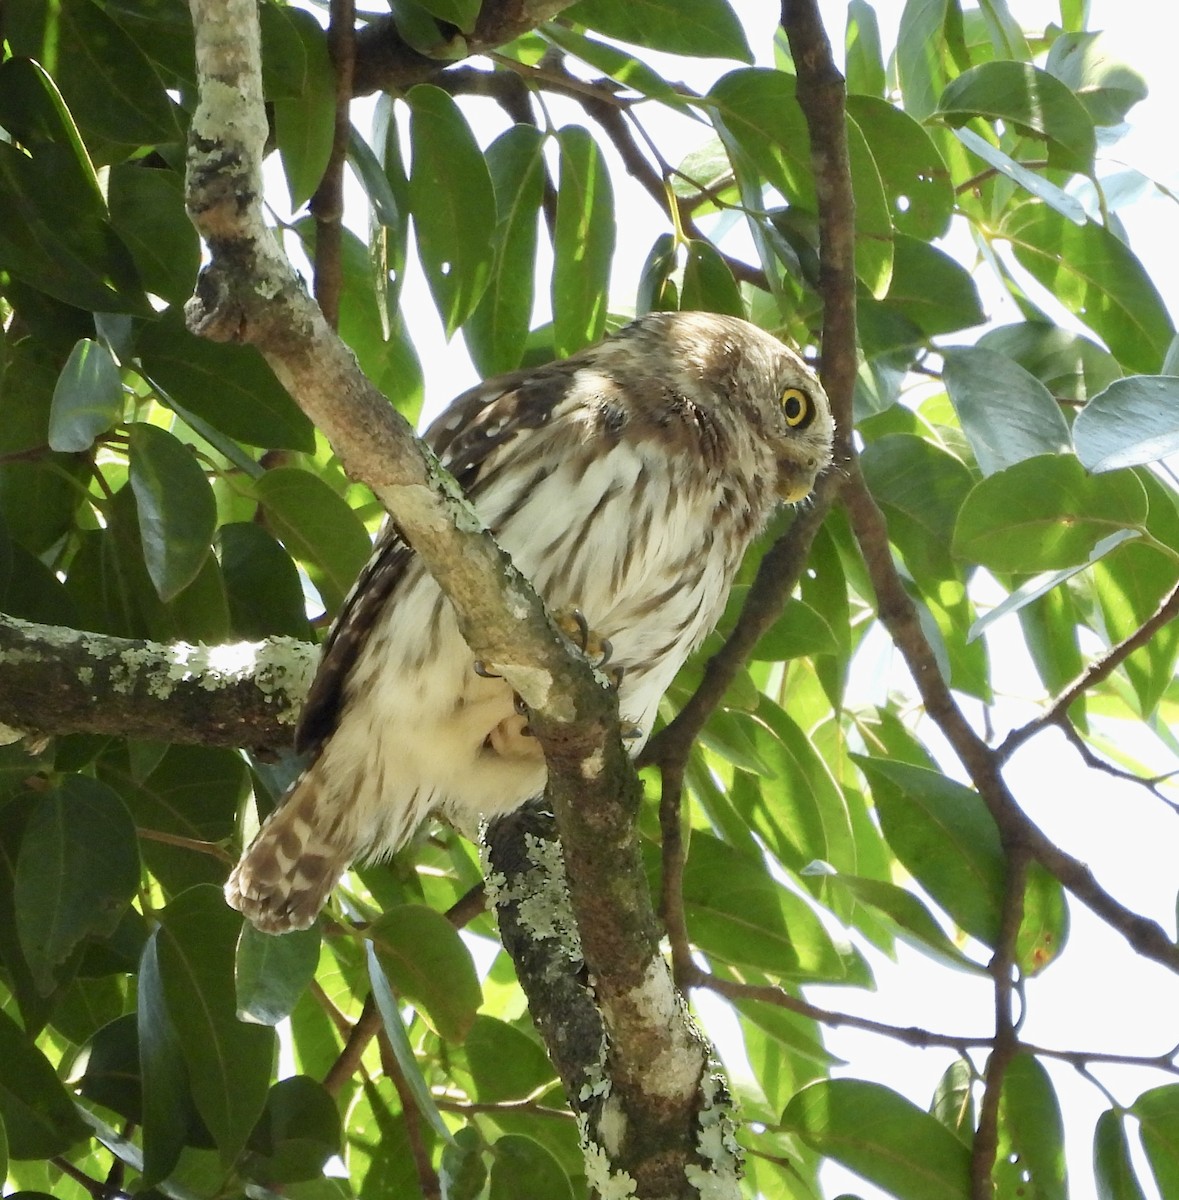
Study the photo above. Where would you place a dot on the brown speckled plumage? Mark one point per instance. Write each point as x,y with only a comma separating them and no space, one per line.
625,482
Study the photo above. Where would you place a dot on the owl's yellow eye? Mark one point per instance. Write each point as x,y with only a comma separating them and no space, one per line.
797,408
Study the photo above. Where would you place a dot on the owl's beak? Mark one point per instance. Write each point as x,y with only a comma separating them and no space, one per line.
796,480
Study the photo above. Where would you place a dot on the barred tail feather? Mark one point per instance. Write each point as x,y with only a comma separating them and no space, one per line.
284,878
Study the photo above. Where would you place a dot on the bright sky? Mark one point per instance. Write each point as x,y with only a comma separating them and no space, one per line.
1099,996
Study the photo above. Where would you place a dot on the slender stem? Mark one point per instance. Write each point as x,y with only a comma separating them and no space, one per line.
327,205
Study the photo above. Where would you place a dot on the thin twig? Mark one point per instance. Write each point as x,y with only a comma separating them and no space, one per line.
93,1186
671,879
420,1153
1093,674
327,205
470,1107
361,1033
356,1039
213,849
1003,966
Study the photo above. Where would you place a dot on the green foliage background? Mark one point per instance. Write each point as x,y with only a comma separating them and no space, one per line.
155,485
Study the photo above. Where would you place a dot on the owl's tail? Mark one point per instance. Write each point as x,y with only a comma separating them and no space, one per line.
284,877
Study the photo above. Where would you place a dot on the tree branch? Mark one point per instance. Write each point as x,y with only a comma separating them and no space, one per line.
654,1059
1006,1044
385,62
327,205
59,681
1095,673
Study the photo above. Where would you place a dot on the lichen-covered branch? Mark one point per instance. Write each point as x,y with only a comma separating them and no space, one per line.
660,1095
58,681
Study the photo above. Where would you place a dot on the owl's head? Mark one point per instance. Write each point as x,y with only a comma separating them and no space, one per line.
762,382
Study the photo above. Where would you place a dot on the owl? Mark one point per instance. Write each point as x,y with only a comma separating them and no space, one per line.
626,483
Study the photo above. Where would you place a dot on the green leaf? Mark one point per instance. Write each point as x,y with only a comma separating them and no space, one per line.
193,792
37,1112
462,1171
1130,586
270,973
1028,98
915,177
429,964
1071,366
1107,88
1044,514
1158,1126
931,290
921,55
113,89
738,914
229,386
317,527
505,1063
1031,1134
304,124
656,292
229,1062
1134,421
953,1101
1098,279
168,1109
453,204
865,60
757,108
883,1137
801,810
708,284
1007,414
299,1130
799,632
55,236
1040,585
402,1051
498,329
262,584
921,488
77,871
1033,183
914,922
874,247
945,838
147,212
88,398
1112,1166
113,1077
177,511
461,13
522,1167
705,28
618,64
583,243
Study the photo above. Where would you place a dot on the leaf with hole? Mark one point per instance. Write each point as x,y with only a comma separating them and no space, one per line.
453,204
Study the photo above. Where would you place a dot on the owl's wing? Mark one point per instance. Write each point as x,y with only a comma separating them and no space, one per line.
471,428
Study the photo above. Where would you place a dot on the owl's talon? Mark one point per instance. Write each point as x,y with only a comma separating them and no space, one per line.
630,731
519,705
483,672
598,650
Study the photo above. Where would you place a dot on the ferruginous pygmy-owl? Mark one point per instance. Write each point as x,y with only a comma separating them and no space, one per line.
626,483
